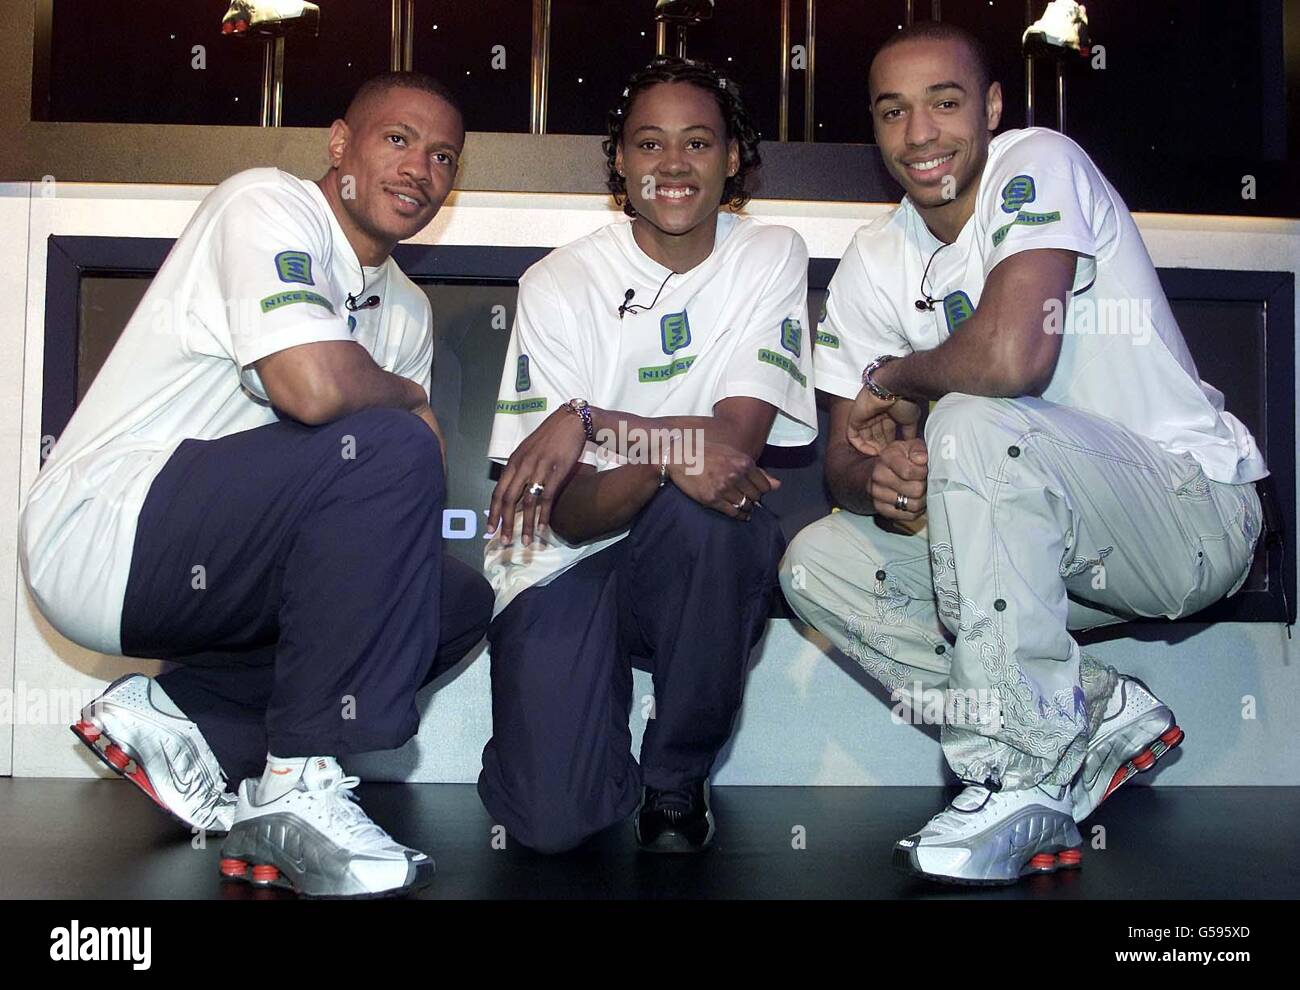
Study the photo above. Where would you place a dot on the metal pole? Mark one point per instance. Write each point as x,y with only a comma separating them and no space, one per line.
681,40
541,64
395,36
408,41
936,13
809,125
783,112
273,82
1029,70
908,15
1060,95
661,38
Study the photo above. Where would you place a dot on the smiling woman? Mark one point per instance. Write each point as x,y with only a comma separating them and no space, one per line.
681,143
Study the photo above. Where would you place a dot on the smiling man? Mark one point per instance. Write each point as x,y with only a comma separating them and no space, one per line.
253,487
1075,470
613,540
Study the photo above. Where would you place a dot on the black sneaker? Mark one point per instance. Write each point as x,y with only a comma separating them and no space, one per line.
675,821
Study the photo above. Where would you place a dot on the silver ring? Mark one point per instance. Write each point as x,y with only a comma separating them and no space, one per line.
738,506
536,488
900,503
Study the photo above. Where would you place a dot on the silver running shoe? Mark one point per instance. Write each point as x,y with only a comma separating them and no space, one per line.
140,734
315,840
994,837
1136,731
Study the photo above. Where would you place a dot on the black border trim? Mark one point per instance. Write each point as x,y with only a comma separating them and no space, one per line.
69,258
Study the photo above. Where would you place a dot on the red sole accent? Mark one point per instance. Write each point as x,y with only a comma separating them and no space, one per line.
142,781
265,874
1066,859
1052,862
234,868
1144,760
116,758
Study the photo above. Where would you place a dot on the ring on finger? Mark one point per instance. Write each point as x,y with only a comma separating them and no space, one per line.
900,503
739,506
536,488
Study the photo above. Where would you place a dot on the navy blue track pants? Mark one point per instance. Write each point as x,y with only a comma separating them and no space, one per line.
686,594
296,575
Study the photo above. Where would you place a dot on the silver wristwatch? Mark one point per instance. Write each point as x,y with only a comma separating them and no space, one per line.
582,409
869,382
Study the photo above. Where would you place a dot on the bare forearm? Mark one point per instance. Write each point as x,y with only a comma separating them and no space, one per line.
848,476
613,428
318,383
373,389
962,363
596,503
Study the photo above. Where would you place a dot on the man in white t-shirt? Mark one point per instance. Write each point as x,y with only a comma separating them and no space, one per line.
649,363
253,487
1075,470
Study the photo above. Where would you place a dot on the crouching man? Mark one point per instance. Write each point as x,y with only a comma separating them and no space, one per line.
256,493
961,557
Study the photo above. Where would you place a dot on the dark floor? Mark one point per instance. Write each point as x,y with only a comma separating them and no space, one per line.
103,839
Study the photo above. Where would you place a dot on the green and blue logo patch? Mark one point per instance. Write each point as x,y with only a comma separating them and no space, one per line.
291,296
824,338
522,381
784,363
520,407
663,372
675,332
294,266
791,335
1025,219
1016,193
957,309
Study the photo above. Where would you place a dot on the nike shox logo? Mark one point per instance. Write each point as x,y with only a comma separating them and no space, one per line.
179,782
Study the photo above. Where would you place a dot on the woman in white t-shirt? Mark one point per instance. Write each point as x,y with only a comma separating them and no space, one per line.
649,363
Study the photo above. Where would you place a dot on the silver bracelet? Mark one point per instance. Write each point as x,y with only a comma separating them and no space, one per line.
869,383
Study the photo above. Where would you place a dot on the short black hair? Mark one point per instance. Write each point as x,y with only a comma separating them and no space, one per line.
386,82
944,31
739,124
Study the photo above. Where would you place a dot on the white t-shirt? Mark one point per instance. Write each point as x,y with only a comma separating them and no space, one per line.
1122,354
734,325
263,265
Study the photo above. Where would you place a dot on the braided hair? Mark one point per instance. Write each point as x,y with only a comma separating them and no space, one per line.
739,125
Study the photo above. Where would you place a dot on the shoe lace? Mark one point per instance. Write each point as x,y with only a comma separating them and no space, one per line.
345,810
974,791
